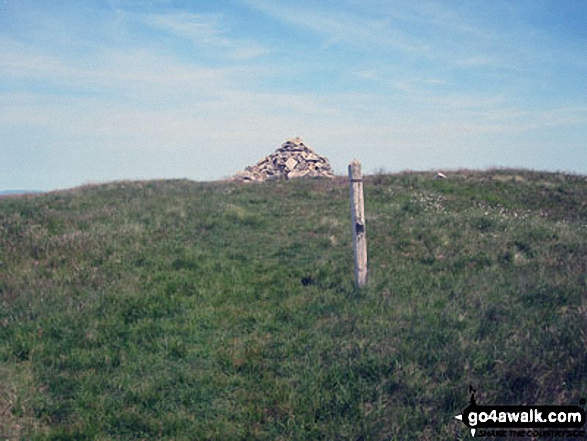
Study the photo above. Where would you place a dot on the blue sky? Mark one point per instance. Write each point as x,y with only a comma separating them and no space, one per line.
96,91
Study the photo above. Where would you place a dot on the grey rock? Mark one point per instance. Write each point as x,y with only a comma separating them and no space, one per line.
292,160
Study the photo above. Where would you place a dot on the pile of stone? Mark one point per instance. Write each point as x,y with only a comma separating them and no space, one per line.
293,159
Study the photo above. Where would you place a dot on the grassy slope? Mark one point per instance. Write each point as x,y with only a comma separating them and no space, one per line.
179,310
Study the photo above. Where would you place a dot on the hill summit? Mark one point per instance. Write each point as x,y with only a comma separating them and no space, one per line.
177,310
293,159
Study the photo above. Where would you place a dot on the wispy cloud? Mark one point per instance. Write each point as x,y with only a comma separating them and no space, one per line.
131,73
368,74
443,36
475,61
338,25
206,30
202,29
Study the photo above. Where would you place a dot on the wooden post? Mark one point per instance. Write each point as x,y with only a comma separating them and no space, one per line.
358,219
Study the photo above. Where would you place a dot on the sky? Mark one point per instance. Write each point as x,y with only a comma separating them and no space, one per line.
96,91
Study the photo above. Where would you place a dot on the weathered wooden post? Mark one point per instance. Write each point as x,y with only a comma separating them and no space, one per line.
358,219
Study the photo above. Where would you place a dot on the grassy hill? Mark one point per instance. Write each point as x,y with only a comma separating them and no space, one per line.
182,310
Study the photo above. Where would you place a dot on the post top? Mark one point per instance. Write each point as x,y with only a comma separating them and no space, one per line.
355,170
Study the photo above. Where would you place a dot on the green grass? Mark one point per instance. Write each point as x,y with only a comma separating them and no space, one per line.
180,310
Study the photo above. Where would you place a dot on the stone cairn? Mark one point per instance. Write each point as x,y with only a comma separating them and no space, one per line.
293,159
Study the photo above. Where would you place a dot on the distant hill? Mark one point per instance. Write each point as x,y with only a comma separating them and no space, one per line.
16,192
178,310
